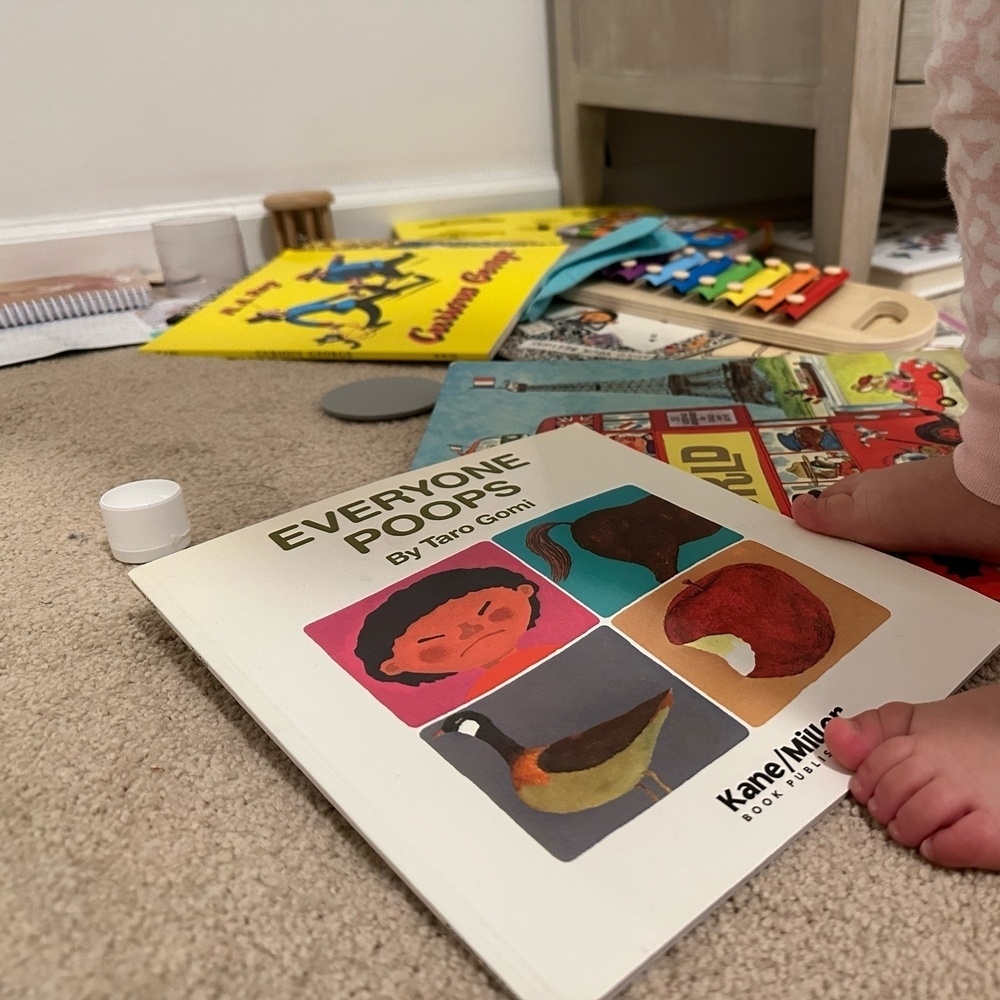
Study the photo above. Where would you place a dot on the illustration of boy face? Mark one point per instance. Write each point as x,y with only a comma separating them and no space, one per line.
465,633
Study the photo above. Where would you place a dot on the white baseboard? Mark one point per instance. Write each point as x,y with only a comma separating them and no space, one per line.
35,247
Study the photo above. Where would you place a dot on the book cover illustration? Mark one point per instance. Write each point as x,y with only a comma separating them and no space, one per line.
576,750
700,232
573,332
541,670
578,223
530,224
402,302
411,647
911,244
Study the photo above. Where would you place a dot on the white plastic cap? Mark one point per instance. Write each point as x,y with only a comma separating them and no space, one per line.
145,520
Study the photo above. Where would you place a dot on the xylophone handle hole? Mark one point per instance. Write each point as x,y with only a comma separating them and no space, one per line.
882,314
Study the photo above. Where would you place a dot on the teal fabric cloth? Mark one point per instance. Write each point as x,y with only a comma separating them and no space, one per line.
639,238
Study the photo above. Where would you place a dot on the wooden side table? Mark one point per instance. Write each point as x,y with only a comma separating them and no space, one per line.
851,70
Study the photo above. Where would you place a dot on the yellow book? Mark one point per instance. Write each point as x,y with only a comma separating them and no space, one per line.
539,225
370,301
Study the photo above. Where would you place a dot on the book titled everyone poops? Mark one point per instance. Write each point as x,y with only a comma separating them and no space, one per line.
573,696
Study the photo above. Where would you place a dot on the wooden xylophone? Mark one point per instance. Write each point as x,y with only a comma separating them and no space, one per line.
798,306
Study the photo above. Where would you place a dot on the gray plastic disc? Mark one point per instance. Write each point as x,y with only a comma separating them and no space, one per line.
382,398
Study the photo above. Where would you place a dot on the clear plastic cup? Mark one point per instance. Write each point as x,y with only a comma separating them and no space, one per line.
199,255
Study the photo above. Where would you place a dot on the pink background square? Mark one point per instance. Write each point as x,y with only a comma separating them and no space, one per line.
562,620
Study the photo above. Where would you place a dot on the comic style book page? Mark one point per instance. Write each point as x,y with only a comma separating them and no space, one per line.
484,404
572,696
766,428
390,302
570,332
574,332
479,404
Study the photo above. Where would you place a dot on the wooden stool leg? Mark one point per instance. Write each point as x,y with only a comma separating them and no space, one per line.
279,236
290,236
309,225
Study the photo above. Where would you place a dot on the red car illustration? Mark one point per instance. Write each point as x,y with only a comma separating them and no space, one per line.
916,382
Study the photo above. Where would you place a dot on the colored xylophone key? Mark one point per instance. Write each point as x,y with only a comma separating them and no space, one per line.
659,274
799,303
631,270
686,281
743,267
739,293
768,299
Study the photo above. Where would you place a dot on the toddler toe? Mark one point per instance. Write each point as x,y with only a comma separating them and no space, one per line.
833,512
972,841
880,743
899,784
934,807
853,740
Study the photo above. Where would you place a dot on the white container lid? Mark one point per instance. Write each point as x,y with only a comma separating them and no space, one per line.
145,520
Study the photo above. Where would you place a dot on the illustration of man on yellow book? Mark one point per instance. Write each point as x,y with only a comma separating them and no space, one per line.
326,313
341,271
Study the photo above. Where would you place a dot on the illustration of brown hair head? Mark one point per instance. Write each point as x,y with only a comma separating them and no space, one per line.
648,532
389,620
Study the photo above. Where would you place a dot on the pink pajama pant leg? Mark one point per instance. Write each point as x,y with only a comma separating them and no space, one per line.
964,67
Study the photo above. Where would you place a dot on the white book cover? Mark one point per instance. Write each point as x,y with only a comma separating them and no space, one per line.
907,242
573,696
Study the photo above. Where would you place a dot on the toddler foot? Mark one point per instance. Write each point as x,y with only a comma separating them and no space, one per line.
928,772
915,507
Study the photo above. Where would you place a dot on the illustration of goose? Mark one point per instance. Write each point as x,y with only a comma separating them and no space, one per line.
583,770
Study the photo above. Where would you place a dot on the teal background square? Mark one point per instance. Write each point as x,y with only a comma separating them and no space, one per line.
605,585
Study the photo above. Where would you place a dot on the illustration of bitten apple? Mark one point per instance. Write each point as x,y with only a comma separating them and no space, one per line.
758,618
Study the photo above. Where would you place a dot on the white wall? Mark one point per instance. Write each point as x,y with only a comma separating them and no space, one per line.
115,112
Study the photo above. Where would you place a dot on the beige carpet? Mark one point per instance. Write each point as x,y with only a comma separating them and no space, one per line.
155,843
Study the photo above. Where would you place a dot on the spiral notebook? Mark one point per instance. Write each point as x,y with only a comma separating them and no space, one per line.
65,296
